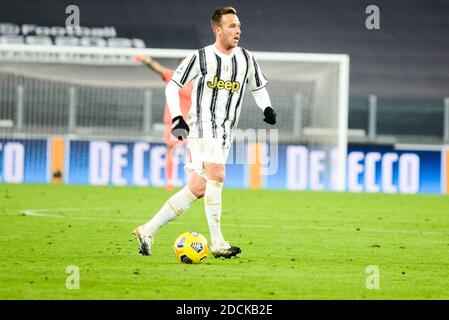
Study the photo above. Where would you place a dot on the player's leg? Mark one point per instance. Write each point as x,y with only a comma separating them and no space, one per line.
173,207
215,173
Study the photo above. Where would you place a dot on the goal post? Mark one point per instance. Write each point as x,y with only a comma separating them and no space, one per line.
339,107
94,93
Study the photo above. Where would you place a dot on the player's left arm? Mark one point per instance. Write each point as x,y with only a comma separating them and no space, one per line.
257,84
262,99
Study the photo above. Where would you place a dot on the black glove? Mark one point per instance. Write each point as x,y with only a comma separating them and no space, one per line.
179,128
270,115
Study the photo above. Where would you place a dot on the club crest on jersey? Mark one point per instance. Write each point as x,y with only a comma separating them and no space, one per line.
180,69
221,84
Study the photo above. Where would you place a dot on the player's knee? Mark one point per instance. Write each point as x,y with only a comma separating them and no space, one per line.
216,172
218,177
198,190
197,187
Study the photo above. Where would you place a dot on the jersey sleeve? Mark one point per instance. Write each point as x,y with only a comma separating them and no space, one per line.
187,70
256,79
262,98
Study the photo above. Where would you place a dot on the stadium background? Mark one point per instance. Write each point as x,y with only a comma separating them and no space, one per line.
295,244
398,72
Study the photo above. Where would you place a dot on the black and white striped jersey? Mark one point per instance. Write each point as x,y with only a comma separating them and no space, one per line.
219,85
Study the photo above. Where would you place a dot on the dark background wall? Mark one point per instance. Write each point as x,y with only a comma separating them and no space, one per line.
407,58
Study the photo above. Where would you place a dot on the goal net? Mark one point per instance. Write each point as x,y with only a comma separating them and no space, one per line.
102,93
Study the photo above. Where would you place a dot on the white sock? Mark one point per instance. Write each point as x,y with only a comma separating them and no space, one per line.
174,207
212,205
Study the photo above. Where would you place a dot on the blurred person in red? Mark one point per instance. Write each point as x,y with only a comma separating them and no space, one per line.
185,102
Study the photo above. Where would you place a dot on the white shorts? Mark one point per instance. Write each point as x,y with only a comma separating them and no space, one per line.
205,150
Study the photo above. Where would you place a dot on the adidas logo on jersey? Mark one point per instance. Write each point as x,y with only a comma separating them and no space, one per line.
221,84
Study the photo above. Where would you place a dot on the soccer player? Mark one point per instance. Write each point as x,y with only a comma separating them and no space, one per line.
220,72
185,102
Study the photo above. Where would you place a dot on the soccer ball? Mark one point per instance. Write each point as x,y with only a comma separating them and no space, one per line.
191,247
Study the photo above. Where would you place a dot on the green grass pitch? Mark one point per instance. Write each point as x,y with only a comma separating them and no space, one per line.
295,245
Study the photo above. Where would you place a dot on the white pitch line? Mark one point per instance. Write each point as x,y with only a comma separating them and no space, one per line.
38,213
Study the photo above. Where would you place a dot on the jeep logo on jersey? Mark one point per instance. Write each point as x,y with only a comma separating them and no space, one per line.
221,84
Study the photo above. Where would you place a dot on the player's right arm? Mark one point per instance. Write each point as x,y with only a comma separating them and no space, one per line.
186,71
